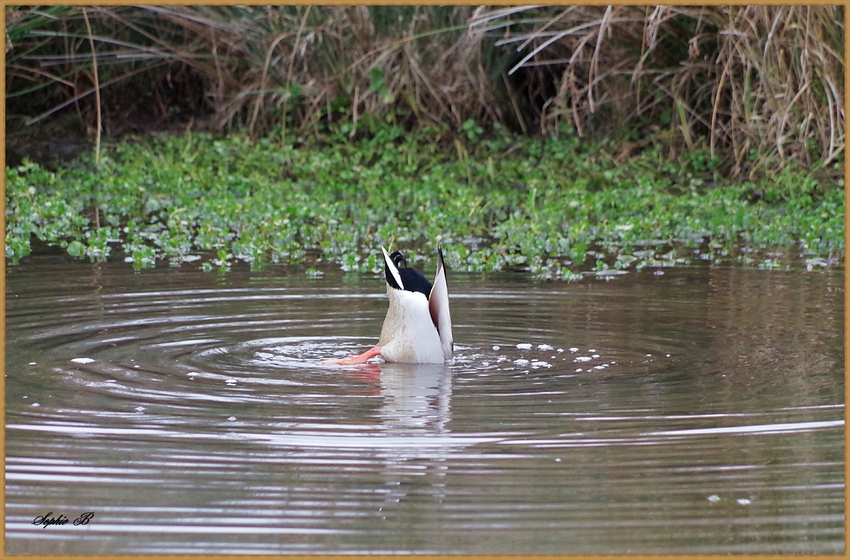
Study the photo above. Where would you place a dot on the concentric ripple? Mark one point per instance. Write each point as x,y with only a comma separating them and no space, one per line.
701,411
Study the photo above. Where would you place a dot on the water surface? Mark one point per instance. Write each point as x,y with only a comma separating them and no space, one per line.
699,411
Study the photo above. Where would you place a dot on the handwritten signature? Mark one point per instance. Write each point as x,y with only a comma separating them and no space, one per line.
48,519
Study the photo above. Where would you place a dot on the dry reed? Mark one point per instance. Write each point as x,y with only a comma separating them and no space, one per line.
759,86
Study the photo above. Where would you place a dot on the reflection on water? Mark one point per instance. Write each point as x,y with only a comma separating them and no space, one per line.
696,412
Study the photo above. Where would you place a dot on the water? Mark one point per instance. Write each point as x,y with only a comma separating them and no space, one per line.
696,412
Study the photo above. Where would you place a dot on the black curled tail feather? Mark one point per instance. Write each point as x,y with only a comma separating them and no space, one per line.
398,259
412,279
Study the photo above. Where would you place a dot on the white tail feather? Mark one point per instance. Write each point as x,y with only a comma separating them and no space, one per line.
438,304
391,265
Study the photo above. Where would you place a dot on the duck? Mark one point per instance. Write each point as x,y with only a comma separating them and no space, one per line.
418,325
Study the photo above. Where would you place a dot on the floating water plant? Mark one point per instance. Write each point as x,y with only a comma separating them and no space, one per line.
556,207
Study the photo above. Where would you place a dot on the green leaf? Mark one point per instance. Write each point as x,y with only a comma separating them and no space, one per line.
76,249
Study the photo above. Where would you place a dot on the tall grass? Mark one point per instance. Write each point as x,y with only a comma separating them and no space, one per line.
258,67
757,86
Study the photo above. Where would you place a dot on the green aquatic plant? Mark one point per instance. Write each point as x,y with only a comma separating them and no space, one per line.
553,206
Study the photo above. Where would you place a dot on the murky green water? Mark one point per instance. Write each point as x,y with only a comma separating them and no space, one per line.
694,412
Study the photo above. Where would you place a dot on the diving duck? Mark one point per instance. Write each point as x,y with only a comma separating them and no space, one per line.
418,326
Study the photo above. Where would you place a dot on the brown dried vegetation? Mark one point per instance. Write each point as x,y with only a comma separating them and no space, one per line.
758,86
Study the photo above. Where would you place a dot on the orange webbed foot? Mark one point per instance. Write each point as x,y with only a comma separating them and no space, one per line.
358,359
